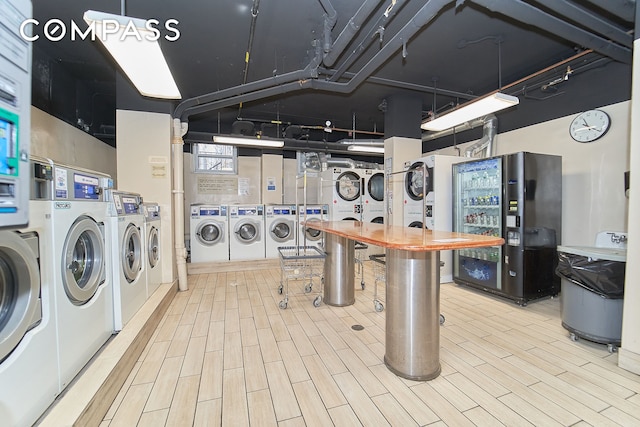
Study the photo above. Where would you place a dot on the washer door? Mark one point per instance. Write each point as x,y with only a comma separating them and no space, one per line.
375,187
348,186
83,258
416,224
378,220
414,181
153,247
20,307
312,233
247,232
131,255
210,232
281,230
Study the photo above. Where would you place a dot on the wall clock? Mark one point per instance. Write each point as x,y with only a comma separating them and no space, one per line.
589,126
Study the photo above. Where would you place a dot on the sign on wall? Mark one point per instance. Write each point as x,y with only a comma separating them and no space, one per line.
208,184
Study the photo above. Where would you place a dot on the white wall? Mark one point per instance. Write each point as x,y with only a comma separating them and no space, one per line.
56,140
592,174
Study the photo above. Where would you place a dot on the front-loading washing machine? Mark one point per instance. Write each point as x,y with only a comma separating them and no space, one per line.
153,258
342,192
280,226
437,201
209,233
83,288
310,236
373,200
246,232
29,373
128,255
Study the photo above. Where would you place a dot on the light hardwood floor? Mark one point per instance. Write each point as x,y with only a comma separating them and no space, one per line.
225,354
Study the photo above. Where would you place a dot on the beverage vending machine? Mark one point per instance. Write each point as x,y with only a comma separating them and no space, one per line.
517,197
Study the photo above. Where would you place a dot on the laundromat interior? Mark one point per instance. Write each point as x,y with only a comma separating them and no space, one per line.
367,213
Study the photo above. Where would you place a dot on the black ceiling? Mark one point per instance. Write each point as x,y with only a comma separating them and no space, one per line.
445,52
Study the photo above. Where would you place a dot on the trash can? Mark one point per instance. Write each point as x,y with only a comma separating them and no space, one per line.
592,291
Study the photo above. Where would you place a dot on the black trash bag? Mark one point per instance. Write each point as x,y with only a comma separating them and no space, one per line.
601,276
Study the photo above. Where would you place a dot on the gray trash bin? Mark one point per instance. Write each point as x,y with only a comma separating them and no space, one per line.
592,291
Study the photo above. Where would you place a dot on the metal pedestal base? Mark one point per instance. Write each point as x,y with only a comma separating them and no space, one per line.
412,348
339,271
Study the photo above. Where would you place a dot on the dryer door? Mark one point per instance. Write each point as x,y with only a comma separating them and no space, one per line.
375,187
210,232
153,247
348,186
414,181
247,232
131,254
83,259
20,307
281,230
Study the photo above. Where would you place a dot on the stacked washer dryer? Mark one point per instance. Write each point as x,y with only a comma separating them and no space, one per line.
246,232
437,185
209,236
309,236
128,255
342,191
280,225
153,265
83,288
373,200
29,372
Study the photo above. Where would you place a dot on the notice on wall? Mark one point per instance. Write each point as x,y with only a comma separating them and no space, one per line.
271,184
208,184
243,186
158,166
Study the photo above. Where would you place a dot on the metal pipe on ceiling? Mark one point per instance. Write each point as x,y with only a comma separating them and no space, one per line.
329,22
349,31
531,15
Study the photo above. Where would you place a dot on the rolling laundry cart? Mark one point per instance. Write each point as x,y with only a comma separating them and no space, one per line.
360,250
379,272
302,263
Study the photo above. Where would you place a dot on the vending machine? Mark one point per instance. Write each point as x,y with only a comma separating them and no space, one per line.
518,197
15,110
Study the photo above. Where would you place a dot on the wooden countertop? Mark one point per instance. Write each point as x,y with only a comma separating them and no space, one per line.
404,238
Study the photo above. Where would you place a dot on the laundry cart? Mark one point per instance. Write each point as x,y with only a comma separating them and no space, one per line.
379,272
301,263
360,250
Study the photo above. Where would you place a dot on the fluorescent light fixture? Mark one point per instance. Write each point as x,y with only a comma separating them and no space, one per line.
255,142
366,149
470,111
136,50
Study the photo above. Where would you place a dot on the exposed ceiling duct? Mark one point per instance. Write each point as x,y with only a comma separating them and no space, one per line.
486,145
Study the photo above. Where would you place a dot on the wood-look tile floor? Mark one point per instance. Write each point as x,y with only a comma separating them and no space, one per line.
225,354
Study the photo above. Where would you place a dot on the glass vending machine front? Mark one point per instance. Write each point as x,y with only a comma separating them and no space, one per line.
477,209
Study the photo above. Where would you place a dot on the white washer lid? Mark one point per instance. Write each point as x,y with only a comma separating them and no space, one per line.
611,254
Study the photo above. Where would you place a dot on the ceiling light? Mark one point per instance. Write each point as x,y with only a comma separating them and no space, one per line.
255,142
136,50
366,149
470,111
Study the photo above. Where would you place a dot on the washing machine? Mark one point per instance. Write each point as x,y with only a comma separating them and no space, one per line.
83,287
342,192
209,233
29,374
280,226
128,255
373,200
309,236
153,258
246,232
437,202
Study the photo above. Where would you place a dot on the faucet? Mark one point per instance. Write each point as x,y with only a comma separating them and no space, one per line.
618,238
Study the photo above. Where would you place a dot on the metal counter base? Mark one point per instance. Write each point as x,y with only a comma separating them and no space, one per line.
412,332
339,270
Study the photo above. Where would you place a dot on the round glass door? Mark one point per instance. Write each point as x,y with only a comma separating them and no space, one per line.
153,247
312,233
131,253
281,231
416,224
348,186
19,290
378,220
83,260
247,232
376,186
414,181
210,233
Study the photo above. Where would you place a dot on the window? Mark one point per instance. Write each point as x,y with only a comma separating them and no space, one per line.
215,158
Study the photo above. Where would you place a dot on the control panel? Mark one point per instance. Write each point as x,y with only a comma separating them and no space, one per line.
15,114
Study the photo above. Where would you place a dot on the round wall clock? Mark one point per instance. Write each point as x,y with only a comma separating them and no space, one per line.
589,126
